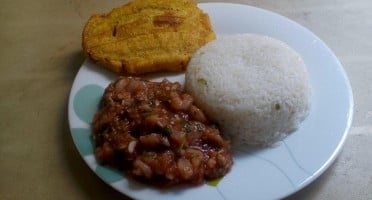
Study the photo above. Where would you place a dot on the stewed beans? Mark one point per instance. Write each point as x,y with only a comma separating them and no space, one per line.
154,132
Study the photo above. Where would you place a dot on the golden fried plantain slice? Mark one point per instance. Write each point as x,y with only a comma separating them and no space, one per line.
147,36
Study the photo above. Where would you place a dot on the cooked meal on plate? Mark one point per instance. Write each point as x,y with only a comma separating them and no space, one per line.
154,132
146,36
241,90
255,87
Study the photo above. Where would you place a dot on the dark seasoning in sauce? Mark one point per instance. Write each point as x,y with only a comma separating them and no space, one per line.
154,132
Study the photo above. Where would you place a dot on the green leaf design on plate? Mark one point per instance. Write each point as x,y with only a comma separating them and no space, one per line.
108,174
82,138
86,102
214,182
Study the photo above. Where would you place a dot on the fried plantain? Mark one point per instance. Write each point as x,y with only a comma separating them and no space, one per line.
146,36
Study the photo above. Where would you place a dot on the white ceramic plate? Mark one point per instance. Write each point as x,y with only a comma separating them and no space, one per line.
270,173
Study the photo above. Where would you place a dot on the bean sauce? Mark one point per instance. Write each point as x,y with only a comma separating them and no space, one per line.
155,133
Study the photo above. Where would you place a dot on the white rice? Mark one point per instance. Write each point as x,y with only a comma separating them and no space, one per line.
255,87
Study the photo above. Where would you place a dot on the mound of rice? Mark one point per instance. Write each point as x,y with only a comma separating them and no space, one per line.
255,87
